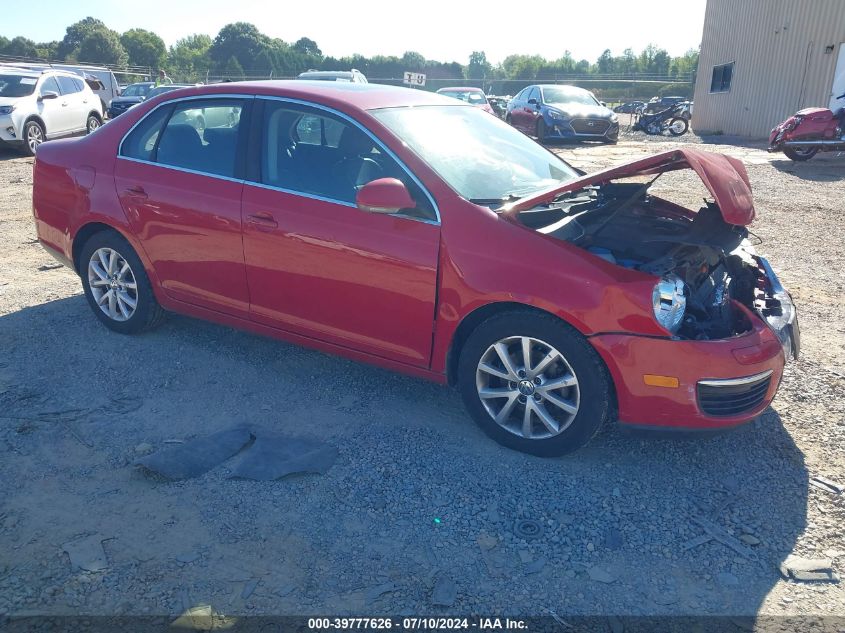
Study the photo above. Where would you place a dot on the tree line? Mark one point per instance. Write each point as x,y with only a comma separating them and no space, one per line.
240,51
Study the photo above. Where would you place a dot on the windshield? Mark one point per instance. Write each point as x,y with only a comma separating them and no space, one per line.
479,156
136,90
568,95
17,85
475,98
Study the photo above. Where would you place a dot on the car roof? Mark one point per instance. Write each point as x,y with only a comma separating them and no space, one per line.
464,88
357,95
564,86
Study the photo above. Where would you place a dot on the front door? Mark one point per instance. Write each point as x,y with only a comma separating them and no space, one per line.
838,81
317,265
57,116
178,181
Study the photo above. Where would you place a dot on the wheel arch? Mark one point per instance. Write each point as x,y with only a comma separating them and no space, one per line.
37,119
473,319
85,233
96,114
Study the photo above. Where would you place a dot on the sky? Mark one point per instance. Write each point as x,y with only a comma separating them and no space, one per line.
443,30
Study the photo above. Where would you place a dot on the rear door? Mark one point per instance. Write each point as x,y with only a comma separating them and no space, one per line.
57,119
838,81
75,112
180,185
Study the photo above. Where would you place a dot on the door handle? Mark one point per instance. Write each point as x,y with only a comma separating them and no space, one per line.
135,192
64,103
262,219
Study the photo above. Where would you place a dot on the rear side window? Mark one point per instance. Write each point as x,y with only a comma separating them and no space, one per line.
69,85
141,142
197,135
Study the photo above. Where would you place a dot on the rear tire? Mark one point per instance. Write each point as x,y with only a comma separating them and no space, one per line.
588,393
678,126
116,285
793,153
92,123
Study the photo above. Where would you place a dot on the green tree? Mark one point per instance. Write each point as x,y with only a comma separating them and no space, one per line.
605,63
240,40
144,48
306,46
413,61
102,46
74,34
188,58
48,50
479,67
21,47
233,69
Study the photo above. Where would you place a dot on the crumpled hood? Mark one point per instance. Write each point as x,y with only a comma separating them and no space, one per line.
579,110
725,177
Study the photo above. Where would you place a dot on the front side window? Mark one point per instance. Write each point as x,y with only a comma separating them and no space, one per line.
310,151
199,135
136,90
49,85
721,79
17,85
481,157
68,85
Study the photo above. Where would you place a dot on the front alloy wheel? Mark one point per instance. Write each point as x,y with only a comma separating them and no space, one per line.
527,387
93,123
113,284
533,383
34,136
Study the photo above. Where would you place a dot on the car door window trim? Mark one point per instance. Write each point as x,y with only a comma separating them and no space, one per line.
346,117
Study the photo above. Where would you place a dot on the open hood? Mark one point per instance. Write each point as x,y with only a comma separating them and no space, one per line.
725,177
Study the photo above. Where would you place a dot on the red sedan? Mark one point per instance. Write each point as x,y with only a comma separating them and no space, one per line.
416,232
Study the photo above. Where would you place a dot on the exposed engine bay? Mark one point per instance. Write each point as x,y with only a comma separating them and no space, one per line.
704,262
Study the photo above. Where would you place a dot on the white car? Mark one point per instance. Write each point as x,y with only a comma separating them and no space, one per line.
36,106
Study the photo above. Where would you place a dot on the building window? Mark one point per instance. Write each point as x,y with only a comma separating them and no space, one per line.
721,81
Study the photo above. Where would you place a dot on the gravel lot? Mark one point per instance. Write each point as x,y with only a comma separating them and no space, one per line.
418,496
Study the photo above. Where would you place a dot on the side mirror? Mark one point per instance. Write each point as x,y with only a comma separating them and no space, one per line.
385,195
532,101
603,104
48,95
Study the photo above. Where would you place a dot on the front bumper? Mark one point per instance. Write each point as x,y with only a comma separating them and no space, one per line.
9,132
564,130
720,383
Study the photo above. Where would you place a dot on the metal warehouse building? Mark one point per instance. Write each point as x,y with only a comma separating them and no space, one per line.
762,60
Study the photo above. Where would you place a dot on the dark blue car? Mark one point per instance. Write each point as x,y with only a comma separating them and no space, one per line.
562,112
132,95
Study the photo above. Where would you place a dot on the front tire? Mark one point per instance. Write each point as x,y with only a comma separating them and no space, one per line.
116,285
534,384
796,154
33,136
541,131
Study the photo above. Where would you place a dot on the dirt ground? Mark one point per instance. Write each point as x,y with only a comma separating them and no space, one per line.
420,513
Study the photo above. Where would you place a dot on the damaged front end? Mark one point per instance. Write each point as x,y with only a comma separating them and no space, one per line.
710,282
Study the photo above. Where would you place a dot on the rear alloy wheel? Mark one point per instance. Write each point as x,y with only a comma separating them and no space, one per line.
117,286
799,154
93,123
678,126
33,135
534,384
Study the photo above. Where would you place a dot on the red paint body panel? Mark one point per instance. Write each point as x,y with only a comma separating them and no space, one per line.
629,357
724,176
335,273
190,228
380,288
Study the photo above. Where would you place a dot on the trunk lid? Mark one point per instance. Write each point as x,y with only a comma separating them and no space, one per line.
725,177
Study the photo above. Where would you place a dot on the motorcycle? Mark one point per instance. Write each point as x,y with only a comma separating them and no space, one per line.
810,131
669,120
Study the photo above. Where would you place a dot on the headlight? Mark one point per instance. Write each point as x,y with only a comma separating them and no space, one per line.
669,301
557,115
614,118
6,109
